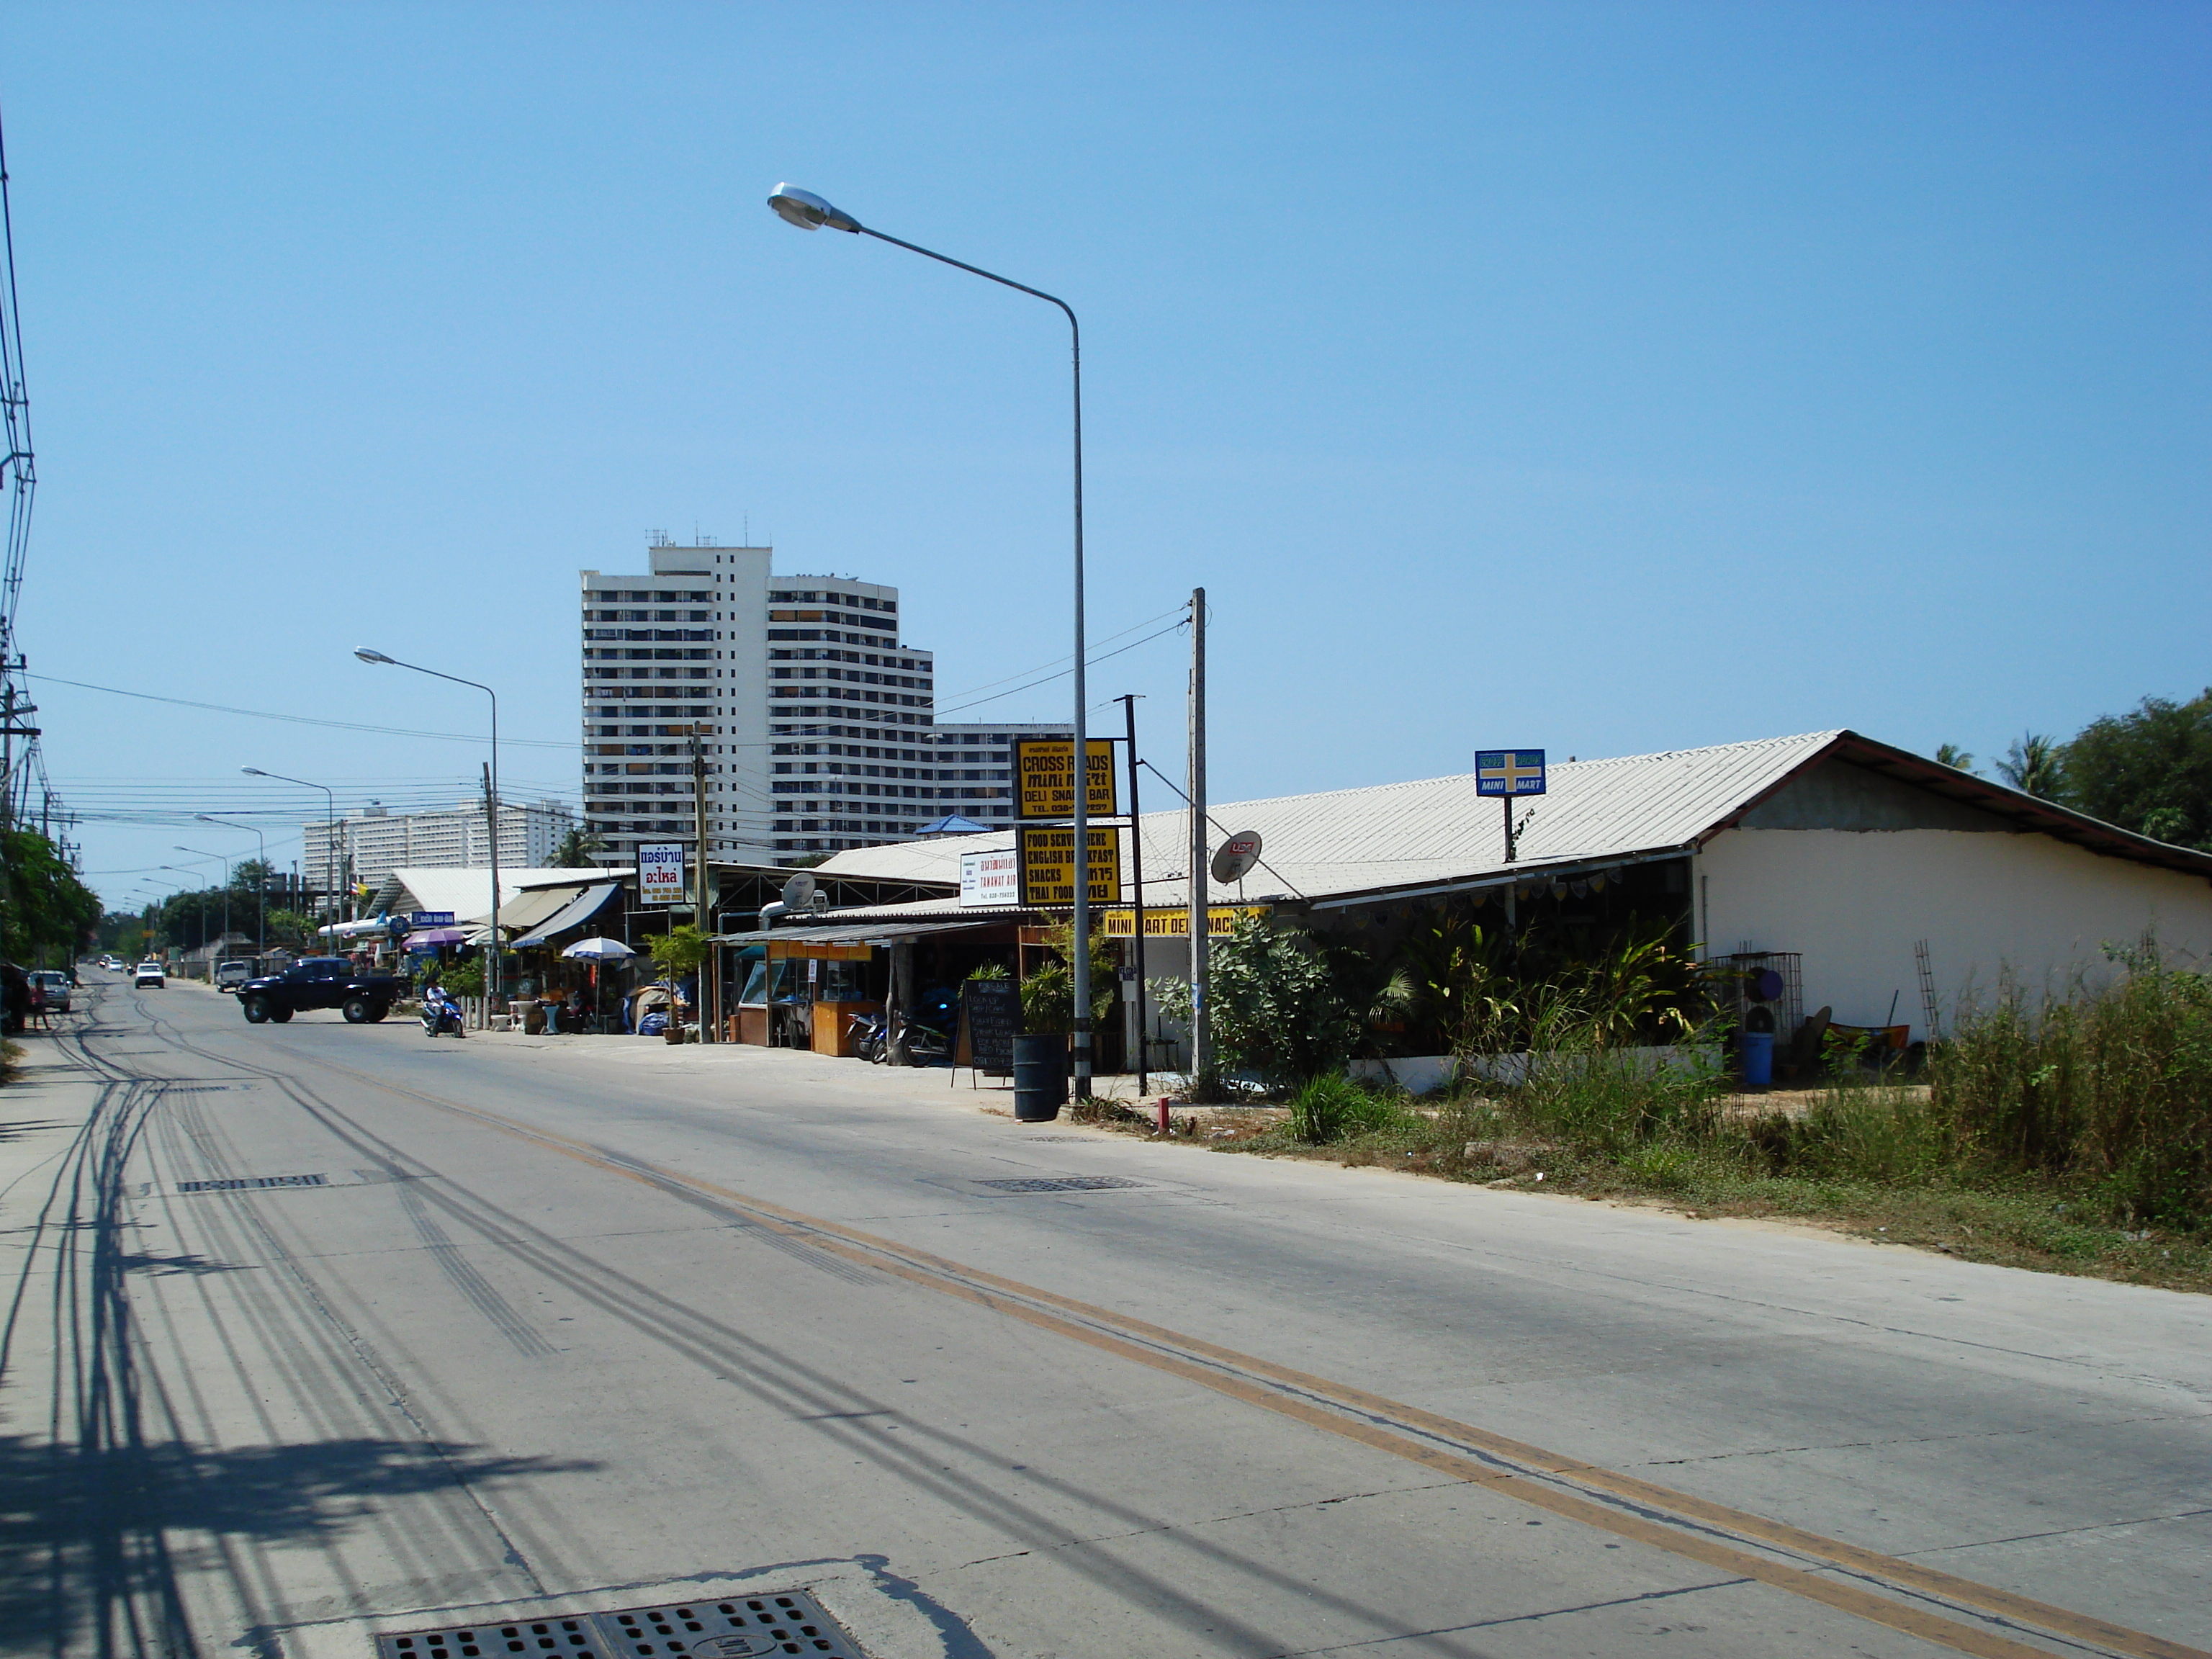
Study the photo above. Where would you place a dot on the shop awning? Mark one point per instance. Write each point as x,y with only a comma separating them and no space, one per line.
578,911
864,932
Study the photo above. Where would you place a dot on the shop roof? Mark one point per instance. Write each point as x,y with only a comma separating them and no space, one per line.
581,907
465,890
1437,832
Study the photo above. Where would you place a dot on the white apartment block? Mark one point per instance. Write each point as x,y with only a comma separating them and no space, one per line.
377,842
815,717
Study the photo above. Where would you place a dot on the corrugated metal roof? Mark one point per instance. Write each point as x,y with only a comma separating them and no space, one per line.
1437,831
1434,830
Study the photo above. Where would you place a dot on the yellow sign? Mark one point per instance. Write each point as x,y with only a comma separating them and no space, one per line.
1175,923
796,950
1044,785
1049,865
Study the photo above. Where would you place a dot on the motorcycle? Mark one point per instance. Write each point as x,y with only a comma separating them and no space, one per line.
872,1038
440,1012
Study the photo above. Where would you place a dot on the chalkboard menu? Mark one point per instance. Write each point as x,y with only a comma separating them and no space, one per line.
990,1015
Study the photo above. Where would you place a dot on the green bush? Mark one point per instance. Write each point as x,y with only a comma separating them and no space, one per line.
1328,1108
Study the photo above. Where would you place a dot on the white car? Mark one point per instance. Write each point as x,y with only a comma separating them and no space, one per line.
229,975
150,973
57,987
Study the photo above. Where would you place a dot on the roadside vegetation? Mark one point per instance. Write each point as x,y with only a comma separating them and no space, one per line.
2071,1131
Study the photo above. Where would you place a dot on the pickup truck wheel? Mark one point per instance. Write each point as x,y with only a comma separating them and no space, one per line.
257,1010
377,1011
357,1010
279,1014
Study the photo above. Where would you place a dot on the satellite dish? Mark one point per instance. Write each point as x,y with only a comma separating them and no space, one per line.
1237,855
798,891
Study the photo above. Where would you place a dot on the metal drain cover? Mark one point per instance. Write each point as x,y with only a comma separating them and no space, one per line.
1059,1183
741,1627
250,1183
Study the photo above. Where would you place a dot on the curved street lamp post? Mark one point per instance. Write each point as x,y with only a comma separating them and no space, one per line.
810,212
330,833
260,887
377,659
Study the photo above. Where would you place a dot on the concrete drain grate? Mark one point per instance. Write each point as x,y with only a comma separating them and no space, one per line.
250,1183
739,1628
1059,1184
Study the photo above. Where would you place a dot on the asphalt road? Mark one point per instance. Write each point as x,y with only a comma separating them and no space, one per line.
591,1324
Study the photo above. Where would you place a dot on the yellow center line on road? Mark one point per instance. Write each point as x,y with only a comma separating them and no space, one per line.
1384,1424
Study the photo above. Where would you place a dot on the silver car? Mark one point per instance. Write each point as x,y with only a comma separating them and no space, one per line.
150,975
57,987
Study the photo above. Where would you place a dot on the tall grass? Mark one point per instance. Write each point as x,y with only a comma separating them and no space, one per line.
2111,1084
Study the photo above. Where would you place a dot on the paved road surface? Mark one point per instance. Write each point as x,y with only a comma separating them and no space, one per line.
592,1325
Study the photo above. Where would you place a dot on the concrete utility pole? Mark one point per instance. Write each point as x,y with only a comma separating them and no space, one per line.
709,998
1199,1046
1137,878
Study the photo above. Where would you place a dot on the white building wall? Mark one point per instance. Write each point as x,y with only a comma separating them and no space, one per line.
381,843
1989,904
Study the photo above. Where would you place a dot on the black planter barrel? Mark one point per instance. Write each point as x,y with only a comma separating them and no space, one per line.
1040,1076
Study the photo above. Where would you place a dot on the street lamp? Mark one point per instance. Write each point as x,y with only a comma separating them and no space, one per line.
808,211
378,659
330,832
260,887
194,875
224,860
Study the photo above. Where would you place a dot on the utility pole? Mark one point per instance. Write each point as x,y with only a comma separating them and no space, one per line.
1137,874
709,998
1199,1046
492,825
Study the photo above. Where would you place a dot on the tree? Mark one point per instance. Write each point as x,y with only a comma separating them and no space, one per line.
1952,756
1049,995
2149,770
250,875
2033,767
678,952
43,906
575,847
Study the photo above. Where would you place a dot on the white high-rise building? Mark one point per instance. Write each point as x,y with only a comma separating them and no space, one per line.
374,842
815,717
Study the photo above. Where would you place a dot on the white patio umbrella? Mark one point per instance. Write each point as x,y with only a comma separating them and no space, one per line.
598,949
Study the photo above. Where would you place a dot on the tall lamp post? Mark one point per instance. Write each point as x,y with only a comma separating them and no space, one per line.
223,859
260,887
330,832
810,212
378,659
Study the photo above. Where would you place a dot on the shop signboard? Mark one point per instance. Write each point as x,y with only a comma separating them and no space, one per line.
990,1015
1049,865
660,874
429,919
990,880
1509,772
1176,923
1044,781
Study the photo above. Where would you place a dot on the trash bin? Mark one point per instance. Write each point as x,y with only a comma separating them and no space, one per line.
1758,1058
1040,1076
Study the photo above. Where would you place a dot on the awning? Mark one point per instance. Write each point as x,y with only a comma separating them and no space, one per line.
578,911
869,932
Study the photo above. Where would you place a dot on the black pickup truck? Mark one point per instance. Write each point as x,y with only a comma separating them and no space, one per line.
318,982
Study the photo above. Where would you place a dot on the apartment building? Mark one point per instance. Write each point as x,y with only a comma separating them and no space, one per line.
377,842
815,715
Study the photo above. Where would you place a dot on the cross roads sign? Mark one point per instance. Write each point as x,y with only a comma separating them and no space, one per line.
1509,772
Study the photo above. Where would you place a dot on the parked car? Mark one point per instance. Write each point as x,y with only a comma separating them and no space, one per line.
151,976
229,975
57,987
318,982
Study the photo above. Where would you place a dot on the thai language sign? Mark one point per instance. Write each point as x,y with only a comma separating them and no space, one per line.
1044,779
660,874
991,878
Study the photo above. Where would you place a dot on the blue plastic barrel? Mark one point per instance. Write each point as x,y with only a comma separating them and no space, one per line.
1758,1057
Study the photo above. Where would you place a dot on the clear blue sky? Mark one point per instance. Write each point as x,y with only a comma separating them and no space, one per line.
1610,378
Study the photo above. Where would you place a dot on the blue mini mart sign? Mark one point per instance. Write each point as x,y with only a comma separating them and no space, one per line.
1509,772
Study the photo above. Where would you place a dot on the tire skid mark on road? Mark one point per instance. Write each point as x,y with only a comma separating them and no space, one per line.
1715,1534
295,1340
782,1383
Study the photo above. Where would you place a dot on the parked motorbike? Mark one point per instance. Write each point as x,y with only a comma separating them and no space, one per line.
440,1013
872,1038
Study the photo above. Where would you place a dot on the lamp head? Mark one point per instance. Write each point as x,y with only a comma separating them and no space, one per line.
808,211
367,655
253,771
